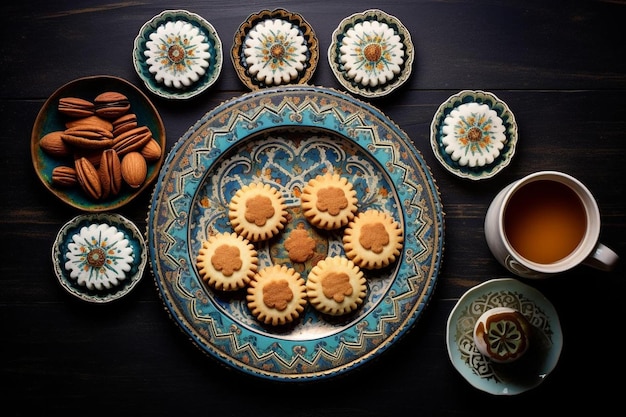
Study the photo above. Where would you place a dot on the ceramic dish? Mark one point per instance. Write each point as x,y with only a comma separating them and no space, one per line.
284,59
50,120
122,263
283,136
371,66
183,53
504,117
510,378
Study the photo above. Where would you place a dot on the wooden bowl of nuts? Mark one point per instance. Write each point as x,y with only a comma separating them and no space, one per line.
97,143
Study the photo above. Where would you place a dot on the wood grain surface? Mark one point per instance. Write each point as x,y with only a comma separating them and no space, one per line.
560,67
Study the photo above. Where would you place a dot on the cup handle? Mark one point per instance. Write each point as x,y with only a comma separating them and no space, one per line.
602,258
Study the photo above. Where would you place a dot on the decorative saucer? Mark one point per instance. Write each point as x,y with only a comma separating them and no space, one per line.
99,257
473,134
371,53
274,47
506,378
178,54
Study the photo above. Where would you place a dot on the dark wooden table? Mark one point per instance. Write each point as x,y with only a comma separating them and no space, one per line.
558,65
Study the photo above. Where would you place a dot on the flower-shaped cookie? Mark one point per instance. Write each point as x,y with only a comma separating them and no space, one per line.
473,134
275,51
372,53
99,256
177,54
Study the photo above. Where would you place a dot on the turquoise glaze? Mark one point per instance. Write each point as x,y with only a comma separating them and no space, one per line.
285,136
215,49
545,343
510,131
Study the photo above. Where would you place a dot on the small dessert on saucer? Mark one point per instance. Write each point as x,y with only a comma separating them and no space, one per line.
373,239
99,256
177,54
473,134
502,334
257,212
329,201
372,53
227,261
336,286
275,51
276,295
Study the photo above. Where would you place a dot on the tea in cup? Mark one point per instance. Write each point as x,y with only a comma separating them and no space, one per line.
546,223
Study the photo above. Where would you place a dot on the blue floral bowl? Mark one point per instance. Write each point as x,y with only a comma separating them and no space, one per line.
99,257
454,111
371,53
177,40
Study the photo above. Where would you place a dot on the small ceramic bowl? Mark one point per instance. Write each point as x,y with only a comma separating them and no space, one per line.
467,155
50,120
371,53
99,257
541,322
188,44
285,53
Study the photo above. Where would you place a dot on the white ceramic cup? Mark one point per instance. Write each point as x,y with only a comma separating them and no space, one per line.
502,215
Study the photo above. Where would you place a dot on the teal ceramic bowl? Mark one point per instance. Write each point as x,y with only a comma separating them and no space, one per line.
49,120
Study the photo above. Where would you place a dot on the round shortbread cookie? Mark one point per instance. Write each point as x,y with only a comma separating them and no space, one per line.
329,201
336,286
373,240
276,295
227,261
257,212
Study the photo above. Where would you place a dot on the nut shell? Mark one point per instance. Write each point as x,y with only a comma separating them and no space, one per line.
111,105
64,176
88,178
134,169
53,144
110,173
76,107
151,150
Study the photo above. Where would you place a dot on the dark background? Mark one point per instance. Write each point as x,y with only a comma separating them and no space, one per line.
560,67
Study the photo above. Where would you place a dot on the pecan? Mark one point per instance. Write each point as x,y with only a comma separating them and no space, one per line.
90,121
88,178
132,140
64,176
76,107
124,123
110,173
111,104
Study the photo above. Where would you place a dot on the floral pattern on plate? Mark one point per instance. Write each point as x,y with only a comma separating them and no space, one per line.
274,47
178,54
162,34
501,115
284,136
371,53
526,372
275,52
99,257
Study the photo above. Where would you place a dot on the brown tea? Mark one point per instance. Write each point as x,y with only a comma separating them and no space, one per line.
545,221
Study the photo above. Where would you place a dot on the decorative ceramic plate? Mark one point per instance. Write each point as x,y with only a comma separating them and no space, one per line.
509,378
99,257
182,48
284,136
503,117
275,49
50,120
369,47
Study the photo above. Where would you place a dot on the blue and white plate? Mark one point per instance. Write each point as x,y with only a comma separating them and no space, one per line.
284,136
108,237
510,378
510,131
210,37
